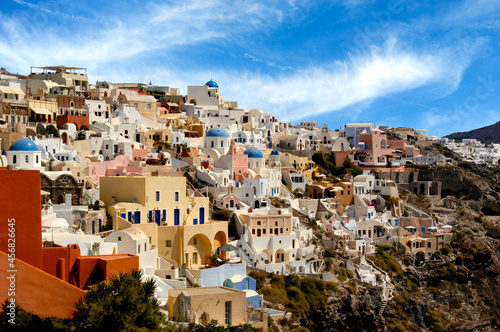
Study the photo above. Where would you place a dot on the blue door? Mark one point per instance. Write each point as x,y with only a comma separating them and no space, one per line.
157,217
177,217
202,215
137,217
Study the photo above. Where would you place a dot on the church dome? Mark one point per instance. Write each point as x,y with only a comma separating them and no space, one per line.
254,153
23,144
217,132
275,153
212,84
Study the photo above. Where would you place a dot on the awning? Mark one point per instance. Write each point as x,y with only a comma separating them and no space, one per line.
9,90
17,91
41,111
173,104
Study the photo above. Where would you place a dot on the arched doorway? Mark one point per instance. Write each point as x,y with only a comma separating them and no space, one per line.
268,255
420,256
280,255
64,137
257,204
60,199
198,250
219,241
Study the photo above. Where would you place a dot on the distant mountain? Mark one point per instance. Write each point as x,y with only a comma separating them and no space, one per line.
487,135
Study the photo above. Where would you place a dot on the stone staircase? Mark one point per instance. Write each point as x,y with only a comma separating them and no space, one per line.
387,289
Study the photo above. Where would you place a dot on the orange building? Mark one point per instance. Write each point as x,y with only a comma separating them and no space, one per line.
37,291
44,274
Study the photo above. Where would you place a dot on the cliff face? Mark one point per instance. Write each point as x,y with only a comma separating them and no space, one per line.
487,135
456,289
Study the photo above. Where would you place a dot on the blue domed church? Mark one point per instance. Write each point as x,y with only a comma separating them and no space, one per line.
24,154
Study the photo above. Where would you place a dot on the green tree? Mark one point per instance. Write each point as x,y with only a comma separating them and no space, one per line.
123,303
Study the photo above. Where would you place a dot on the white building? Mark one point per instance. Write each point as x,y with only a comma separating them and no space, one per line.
133,241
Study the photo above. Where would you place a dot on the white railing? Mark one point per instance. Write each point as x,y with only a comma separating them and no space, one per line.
190,277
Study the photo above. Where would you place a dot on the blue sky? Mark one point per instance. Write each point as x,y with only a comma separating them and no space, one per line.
429,65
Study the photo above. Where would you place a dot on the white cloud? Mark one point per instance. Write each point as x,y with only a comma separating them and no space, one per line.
321,90
154,27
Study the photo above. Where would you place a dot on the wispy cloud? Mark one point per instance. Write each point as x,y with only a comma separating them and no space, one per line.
321,90
268,63
150,27
115,49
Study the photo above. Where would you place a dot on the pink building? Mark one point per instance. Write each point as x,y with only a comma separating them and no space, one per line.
120,166
376,150
236,161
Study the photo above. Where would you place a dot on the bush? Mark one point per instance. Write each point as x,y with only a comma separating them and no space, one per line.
352,287
331,286
224,215
456,302
274,294
260,278
328,264
314,291
440,321
297,302
278,281
445,250
329,252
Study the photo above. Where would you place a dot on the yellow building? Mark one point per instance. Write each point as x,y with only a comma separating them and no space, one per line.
145,104
176,222
301,164
42,110
203,304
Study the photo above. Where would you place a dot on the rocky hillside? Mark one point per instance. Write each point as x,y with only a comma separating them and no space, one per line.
487,135
456,290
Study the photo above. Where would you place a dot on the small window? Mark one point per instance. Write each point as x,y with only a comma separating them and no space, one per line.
168,244
27,159
157,196
195,241
139,249
195,258
145,248
176,197
119,238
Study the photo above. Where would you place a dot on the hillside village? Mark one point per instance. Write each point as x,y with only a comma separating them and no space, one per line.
203,196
